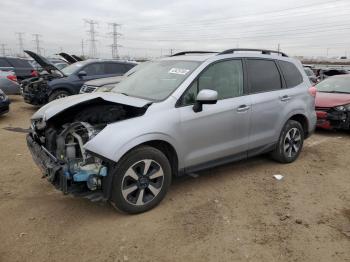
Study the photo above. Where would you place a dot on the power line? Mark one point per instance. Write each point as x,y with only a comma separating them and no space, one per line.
37,43
225,19
92,33
115,34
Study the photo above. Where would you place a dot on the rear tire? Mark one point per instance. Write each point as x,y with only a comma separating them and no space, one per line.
140,180
290,143
58,94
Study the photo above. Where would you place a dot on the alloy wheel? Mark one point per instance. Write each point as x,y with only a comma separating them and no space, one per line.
142,182
292,142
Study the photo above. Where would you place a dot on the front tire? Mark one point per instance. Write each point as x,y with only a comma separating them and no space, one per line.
141,180
290,142
58,94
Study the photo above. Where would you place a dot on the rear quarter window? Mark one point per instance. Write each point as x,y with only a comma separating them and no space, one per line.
263,75
291,74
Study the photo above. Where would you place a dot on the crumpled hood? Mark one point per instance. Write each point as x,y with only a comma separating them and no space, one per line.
331,99
53,108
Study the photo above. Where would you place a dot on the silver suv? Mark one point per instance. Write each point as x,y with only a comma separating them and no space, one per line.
175,116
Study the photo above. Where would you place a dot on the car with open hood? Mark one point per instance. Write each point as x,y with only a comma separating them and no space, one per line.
175,116
69,80
333,103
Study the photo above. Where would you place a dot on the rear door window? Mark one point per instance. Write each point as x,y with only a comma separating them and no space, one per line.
116,68
95,69
291,74
263,75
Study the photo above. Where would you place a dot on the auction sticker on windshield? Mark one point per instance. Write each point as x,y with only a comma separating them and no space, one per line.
179,71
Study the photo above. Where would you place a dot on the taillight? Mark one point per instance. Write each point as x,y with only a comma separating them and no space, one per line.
12,78
313,91
34,73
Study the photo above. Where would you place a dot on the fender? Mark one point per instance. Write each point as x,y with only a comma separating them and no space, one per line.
144,139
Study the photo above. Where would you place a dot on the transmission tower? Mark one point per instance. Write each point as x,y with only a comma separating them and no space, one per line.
92,33
4,49
115,34
37,43
20,43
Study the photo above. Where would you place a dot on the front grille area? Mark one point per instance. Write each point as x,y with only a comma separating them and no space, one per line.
88,89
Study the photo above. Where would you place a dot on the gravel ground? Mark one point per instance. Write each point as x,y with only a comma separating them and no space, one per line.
237,212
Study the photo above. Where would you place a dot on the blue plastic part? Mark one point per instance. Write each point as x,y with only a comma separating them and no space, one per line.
103,171
83,175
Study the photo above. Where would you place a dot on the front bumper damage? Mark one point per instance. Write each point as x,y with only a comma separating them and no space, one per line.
57,172
35,98
332,119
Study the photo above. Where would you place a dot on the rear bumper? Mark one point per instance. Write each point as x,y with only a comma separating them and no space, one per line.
333,120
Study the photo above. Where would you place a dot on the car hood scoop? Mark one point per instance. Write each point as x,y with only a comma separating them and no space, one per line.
60,105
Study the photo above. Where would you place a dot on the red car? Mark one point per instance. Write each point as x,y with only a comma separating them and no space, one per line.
333,103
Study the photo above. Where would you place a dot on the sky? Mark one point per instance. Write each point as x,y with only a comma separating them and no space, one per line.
156,28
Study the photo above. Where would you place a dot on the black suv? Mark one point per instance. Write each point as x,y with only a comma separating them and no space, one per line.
20,66
68,81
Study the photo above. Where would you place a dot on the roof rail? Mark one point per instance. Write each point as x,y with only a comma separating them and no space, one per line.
193,52
263,51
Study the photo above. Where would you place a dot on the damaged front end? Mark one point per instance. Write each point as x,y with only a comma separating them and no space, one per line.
57,145
35,90
330,118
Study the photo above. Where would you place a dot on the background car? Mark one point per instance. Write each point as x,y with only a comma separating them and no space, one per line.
310,74
101,85
4,103
325,73
69,80
8,82
60,64
107,84
21,67
333,103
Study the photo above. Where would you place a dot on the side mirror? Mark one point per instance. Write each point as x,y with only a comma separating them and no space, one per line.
205,96
82,74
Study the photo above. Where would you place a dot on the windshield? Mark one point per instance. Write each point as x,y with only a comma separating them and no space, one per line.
334,85
71,68
156,80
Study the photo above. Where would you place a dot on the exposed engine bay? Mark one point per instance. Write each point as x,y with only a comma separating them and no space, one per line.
57,145
35,89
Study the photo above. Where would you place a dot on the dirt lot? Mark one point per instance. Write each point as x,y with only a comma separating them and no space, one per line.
237,212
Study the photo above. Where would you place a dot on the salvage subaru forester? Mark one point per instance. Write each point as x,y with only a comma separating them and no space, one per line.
177,115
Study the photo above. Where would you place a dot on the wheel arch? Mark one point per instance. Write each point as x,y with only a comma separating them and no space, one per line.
61,88
163,143
302,119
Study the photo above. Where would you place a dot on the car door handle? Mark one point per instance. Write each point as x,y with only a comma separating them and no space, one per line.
243,108
285,98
